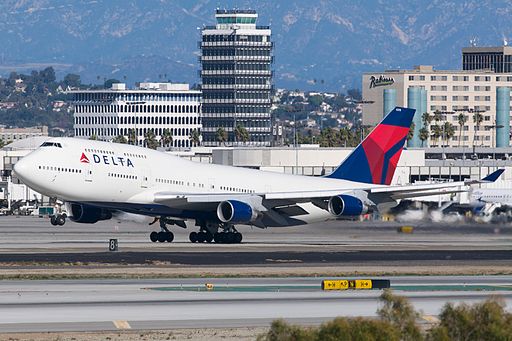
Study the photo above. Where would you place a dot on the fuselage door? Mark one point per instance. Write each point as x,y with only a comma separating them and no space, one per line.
145,178
87,173
211,185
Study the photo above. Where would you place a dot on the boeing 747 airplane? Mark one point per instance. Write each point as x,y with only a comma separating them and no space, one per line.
96,179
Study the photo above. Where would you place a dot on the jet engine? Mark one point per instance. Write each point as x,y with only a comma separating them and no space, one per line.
233,211
346,205
86,214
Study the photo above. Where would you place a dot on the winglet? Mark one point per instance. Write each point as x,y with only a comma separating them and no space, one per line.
493,176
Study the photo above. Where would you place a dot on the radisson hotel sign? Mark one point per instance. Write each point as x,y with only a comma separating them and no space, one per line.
380,81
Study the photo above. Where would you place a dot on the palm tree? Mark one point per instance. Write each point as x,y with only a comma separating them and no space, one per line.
448,131
436,133
150,140
120,139
195,137
166,137
424,134
132,136
410,134
478,118
461,119
241,134
221,135
426,118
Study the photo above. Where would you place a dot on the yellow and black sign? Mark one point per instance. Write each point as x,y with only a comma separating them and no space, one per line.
355,284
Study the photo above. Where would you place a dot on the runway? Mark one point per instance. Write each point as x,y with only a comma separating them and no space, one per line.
31,248
32,241
87,305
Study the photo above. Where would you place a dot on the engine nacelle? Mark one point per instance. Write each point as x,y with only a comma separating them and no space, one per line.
87,214
346,205
233,211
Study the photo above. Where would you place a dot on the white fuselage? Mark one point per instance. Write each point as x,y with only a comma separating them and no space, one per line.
125,174
492,195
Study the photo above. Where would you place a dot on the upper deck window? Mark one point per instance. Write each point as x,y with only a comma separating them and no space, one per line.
51,144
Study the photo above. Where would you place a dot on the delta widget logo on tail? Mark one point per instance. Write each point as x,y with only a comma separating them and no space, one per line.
107,160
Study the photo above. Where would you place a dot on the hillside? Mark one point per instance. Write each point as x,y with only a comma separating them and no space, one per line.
331,42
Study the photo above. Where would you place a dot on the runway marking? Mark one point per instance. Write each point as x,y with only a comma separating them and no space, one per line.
120,324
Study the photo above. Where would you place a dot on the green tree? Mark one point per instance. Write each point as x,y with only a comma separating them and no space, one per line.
478,118
448,131
424,134
221,135
166,139
241,134
150,139
132,136
108,83
72,80
436,134
461,119
195,137
315,100
399,312
120,139
93,137
410,134
484,321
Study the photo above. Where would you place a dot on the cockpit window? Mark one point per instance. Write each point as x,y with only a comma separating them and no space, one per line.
51,144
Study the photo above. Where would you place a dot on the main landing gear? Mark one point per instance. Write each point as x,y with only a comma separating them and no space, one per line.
58,219
209,232
164,235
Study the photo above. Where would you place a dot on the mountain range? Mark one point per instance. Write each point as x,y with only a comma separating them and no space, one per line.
323,44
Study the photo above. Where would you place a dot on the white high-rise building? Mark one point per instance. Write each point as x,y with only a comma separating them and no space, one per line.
236,75
109,113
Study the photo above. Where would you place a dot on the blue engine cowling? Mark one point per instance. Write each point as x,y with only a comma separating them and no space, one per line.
233,211
87,214
346,205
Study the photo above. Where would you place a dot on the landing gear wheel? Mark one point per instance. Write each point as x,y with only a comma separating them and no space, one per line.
60,220
193,237
153,236
201,237
237,238
161,237
217,237
208,237
169,237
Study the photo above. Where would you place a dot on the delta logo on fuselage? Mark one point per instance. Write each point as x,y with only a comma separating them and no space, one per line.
108,160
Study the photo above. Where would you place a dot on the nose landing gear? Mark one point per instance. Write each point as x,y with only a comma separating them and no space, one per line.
58,219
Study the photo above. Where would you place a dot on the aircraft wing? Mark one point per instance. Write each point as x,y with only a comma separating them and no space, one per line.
382,197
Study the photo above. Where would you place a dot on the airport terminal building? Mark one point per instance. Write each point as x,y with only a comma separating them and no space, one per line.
109,113
451,93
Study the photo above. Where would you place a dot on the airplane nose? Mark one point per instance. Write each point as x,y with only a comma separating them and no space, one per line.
21,168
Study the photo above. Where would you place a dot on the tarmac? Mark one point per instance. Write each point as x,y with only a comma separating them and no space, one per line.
31,246
91,305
